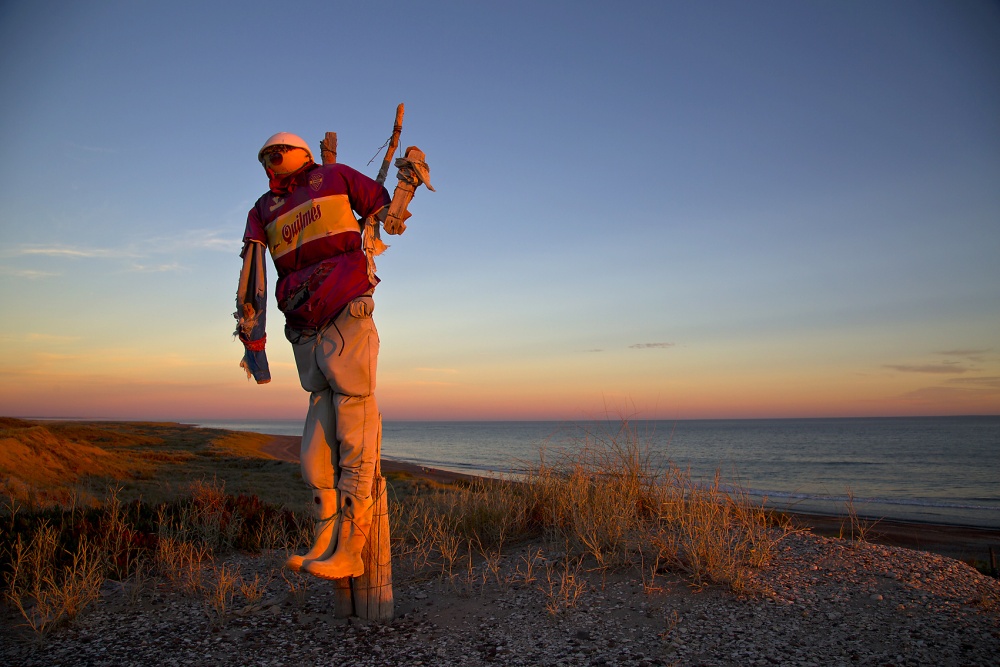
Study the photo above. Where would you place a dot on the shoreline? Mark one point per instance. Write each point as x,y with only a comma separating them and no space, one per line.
955,541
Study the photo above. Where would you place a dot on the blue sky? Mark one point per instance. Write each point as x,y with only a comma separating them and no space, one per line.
710,209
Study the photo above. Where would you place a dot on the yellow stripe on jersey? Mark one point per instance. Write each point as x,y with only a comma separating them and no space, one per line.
312,220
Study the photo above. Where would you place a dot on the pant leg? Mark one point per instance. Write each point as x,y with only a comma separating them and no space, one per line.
318,455
347,355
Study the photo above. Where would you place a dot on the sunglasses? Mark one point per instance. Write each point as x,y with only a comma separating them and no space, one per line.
274,154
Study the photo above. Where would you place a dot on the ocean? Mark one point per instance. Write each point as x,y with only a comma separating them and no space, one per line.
928,469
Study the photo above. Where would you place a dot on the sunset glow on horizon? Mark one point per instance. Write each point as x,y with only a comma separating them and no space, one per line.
203,390
662,210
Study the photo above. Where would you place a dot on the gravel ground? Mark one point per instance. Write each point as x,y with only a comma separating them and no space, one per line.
820,602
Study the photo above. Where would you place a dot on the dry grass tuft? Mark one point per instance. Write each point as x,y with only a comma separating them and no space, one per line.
610,507
219,593
855,528
564,584
46,587
54,562
609,502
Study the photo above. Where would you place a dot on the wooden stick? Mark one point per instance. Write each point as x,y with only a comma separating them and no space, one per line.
328,148
397,128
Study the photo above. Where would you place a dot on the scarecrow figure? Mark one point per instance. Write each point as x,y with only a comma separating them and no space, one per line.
325,283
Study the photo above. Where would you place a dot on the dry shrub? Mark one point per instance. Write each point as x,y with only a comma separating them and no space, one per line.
298,585
208,519
54,561
443,528
215,522
253,590
180,562
48,584
124,544
858,529
564,584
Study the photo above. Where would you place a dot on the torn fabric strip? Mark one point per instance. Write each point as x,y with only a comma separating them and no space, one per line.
251,307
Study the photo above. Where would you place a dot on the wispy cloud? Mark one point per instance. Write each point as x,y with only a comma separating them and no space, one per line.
649,346
971,391
970,355
150,255
57,357
947,368
985,388
596,349
50,338
30,274
70,251
200,239
987,382
155,268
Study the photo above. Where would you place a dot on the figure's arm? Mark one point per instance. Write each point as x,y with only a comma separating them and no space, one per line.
251,307
368,196
413,171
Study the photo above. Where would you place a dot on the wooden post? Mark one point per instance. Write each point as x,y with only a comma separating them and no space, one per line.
343,603
373,598
370,595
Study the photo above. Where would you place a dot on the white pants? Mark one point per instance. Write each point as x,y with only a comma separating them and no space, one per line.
343,429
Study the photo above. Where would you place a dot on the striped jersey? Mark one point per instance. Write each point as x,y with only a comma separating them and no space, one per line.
315,240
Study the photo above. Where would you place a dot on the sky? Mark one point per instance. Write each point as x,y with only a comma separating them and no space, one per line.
674,210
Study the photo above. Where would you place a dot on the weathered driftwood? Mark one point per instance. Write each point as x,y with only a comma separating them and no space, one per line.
397,128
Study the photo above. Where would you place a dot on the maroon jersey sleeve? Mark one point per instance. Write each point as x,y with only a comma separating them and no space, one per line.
366,194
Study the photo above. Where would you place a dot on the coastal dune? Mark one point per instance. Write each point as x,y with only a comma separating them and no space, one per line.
817,601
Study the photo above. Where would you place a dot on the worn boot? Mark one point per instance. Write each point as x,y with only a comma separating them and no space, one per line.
327,527
353,533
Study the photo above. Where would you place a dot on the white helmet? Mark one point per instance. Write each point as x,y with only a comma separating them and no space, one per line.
284,139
